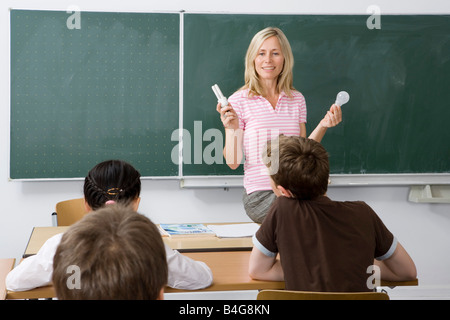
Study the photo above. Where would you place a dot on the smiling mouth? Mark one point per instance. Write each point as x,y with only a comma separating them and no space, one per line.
268,68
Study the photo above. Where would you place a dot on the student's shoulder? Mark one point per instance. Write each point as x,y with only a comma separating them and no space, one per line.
53,241
49,247
354,205
283,205
360,208
325,202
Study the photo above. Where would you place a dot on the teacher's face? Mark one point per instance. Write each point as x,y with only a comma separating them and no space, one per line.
270,60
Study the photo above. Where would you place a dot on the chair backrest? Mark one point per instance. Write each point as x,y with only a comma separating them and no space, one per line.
70,211
308,295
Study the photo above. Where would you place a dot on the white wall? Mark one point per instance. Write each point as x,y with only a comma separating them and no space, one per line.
424,229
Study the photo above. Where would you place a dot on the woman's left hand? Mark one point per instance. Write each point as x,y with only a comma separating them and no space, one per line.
333,117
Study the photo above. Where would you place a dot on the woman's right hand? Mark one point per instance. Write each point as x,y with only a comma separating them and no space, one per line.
228,116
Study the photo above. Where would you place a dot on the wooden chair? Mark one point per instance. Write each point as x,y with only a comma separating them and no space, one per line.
308,295
70,211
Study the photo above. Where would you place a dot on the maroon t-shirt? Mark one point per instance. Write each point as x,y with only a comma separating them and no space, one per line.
324,245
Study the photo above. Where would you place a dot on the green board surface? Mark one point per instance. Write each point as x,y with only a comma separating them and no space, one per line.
108,90
398,78
111,89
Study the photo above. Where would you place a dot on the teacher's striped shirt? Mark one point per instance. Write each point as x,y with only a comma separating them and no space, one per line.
261,122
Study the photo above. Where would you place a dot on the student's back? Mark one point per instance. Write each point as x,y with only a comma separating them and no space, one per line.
332,242
324,245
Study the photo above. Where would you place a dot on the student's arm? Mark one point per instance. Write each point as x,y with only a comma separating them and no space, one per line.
398,267
331,119
262,267
186,273
232,151
34,271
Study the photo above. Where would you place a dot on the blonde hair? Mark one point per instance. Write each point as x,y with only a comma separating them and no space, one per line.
285,79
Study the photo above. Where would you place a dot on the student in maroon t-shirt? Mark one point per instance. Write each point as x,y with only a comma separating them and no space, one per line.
323,245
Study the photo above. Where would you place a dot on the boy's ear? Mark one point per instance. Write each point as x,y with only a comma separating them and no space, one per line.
285,192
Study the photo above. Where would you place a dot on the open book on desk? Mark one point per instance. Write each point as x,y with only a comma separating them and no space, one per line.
233,230
185,229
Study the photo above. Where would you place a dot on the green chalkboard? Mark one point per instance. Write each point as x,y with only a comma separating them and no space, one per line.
398,78
108,89
111,89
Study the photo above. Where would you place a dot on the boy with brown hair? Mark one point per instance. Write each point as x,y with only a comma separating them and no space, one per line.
324,245
112,253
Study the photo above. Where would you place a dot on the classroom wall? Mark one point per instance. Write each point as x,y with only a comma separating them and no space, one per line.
424,229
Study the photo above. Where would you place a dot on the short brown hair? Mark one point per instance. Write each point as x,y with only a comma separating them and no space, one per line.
299,165
119,254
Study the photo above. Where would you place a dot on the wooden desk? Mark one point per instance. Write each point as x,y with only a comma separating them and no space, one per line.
38,237
230,272
229,268
6,266
183,244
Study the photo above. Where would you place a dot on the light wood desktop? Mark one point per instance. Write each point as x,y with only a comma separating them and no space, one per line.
229,268
230,272
183,244
38,237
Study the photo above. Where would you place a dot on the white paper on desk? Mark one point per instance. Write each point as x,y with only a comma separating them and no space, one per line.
238,230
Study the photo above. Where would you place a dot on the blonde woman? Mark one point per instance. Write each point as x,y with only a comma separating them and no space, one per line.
266,106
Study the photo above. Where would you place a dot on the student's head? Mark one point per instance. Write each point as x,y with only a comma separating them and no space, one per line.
112,253
285,78
298,167
112,181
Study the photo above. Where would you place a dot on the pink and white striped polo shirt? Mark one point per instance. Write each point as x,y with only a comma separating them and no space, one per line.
261,122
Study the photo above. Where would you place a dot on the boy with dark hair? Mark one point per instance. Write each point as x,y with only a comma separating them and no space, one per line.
324,245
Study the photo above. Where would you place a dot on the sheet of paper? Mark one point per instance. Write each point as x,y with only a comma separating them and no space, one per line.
234,230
